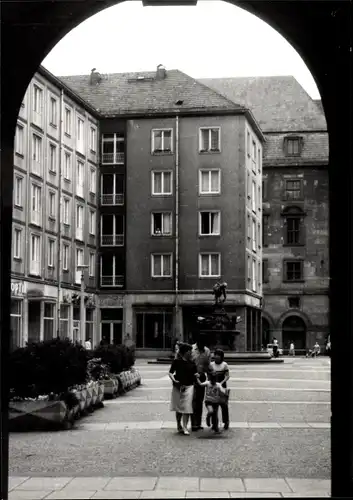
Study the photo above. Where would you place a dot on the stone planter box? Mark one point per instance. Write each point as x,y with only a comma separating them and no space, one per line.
130,379
111,387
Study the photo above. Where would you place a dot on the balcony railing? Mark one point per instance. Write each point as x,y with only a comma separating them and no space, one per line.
112,281
112,240
112,199
113,158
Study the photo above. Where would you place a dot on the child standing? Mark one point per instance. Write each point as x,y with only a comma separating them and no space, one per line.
221,369
213,398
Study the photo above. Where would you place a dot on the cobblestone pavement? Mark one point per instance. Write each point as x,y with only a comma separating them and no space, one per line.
278,443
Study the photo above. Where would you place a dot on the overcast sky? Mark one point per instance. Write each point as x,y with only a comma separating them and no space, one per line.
214,39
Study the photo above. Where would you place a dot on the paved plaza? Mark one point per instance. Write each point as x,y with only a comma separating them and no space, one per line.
278,444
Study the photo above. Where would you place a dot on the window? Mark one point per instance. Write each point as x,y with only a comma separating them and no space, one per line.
93,139
259,236
253,156
294,302
265,271
52,204
48,320
19,140
210,139
248,144
209,223
52,158
293,270
64,321
67,166
248,187
253,272
79,132
67,121
264,189
35,255
17,243
36,154
65,257
293,146
112,230
92,264
259,160
209,265
79,222
53,111
162,141
16,323
110,266
79,257
112,189
80,178
92,181
259,200
253,232
154,329
89,324
293,189
259,276
253,196
248,221
51,252
66,211
161,183
161,265
162,224
293,224
18,191
92,222
210,181
113,149
36,204
249,271
37,99
265,230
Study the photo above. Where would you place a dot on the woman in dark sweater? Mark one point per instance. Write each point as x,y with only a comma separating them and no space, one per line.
182,373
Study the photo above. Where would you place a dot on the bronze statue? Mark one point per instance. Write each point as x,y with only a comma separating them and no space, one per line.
219,290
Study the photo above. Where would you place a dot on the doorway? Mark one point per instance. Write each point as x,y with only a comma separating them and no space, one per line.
294,330
33,321
111,329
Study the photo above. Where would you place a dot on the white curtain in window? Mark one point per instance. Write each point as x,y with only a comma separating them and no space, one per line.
157,181
204,265
167,223
214,180
166,265
214,264
157,265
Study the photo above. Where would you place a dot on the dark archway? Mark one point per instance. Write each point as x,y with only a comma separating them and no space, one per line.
321,33
294,330
266,332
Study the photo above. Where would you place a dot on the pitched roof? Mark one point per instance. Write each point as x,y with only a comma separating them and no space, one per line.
124,93
315,150
279,103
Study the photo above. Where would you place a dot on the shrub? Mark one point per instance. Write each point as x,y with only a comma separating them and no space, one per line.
117,357
49,367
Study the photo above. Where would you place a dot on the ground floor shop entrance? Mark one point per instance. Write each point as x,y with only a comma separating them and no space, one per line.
154,328
294,330
111,325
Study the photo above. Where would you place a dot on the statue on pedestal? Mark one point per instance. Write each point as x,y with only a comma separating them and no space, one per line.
219,291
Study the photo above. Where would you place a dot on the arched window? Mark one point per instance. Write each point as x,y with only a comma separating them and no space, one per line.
294,226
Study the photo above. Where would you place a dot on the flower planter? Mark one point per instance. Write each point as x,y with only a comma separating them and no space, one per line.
38,414
130,379
111,387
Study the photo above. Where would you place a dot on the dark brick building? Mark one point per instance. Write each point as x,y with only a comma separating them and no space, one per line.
181,182
295,206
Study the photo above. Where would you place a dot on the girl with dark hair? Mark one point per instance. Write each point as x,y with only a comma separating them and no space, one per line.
221,369
182,373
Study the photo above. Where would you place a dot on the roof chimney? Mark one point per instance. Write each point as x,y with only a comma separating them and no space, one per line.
161,72
95,77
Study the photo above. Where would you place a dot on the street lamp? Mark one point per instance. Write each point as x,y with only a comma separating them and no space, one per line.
82,267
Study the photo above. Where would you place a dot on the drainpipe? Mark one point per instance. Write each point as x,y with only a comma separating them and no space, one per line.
59,210
176,222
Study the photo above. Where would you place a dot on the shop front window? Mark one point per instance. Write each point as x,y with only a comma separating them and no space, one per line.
48,320
16,323
154,330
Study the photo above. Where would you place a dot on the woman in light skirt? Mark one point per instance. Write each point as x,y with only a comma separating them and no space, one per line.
182,373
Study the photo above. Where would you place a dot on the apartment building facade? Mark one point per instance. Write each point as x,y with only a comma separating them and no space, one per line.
295,207
54,212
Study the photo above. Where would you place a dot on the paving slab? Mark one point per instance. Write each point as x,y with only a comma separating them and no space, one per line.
68,494
307,485
207,494
15,481
163,494
249,494
307,494
178,483
264,425
132,483
221,484
44,483
294,425
87,483
267,485
239,425
28,495
117,494
320,425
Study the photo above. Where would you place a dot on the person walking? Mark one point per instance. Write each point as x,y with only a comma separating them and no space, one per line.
221,369
316,350
182,373
201,355
88,344
275,347
213,398
291,349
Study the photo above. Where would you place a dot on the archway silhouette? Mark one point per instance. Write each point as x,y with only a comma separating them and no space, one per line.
321,34
294,330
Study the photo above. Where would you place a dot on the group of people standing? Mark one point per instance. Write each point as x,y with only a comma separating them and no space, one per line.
197,381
